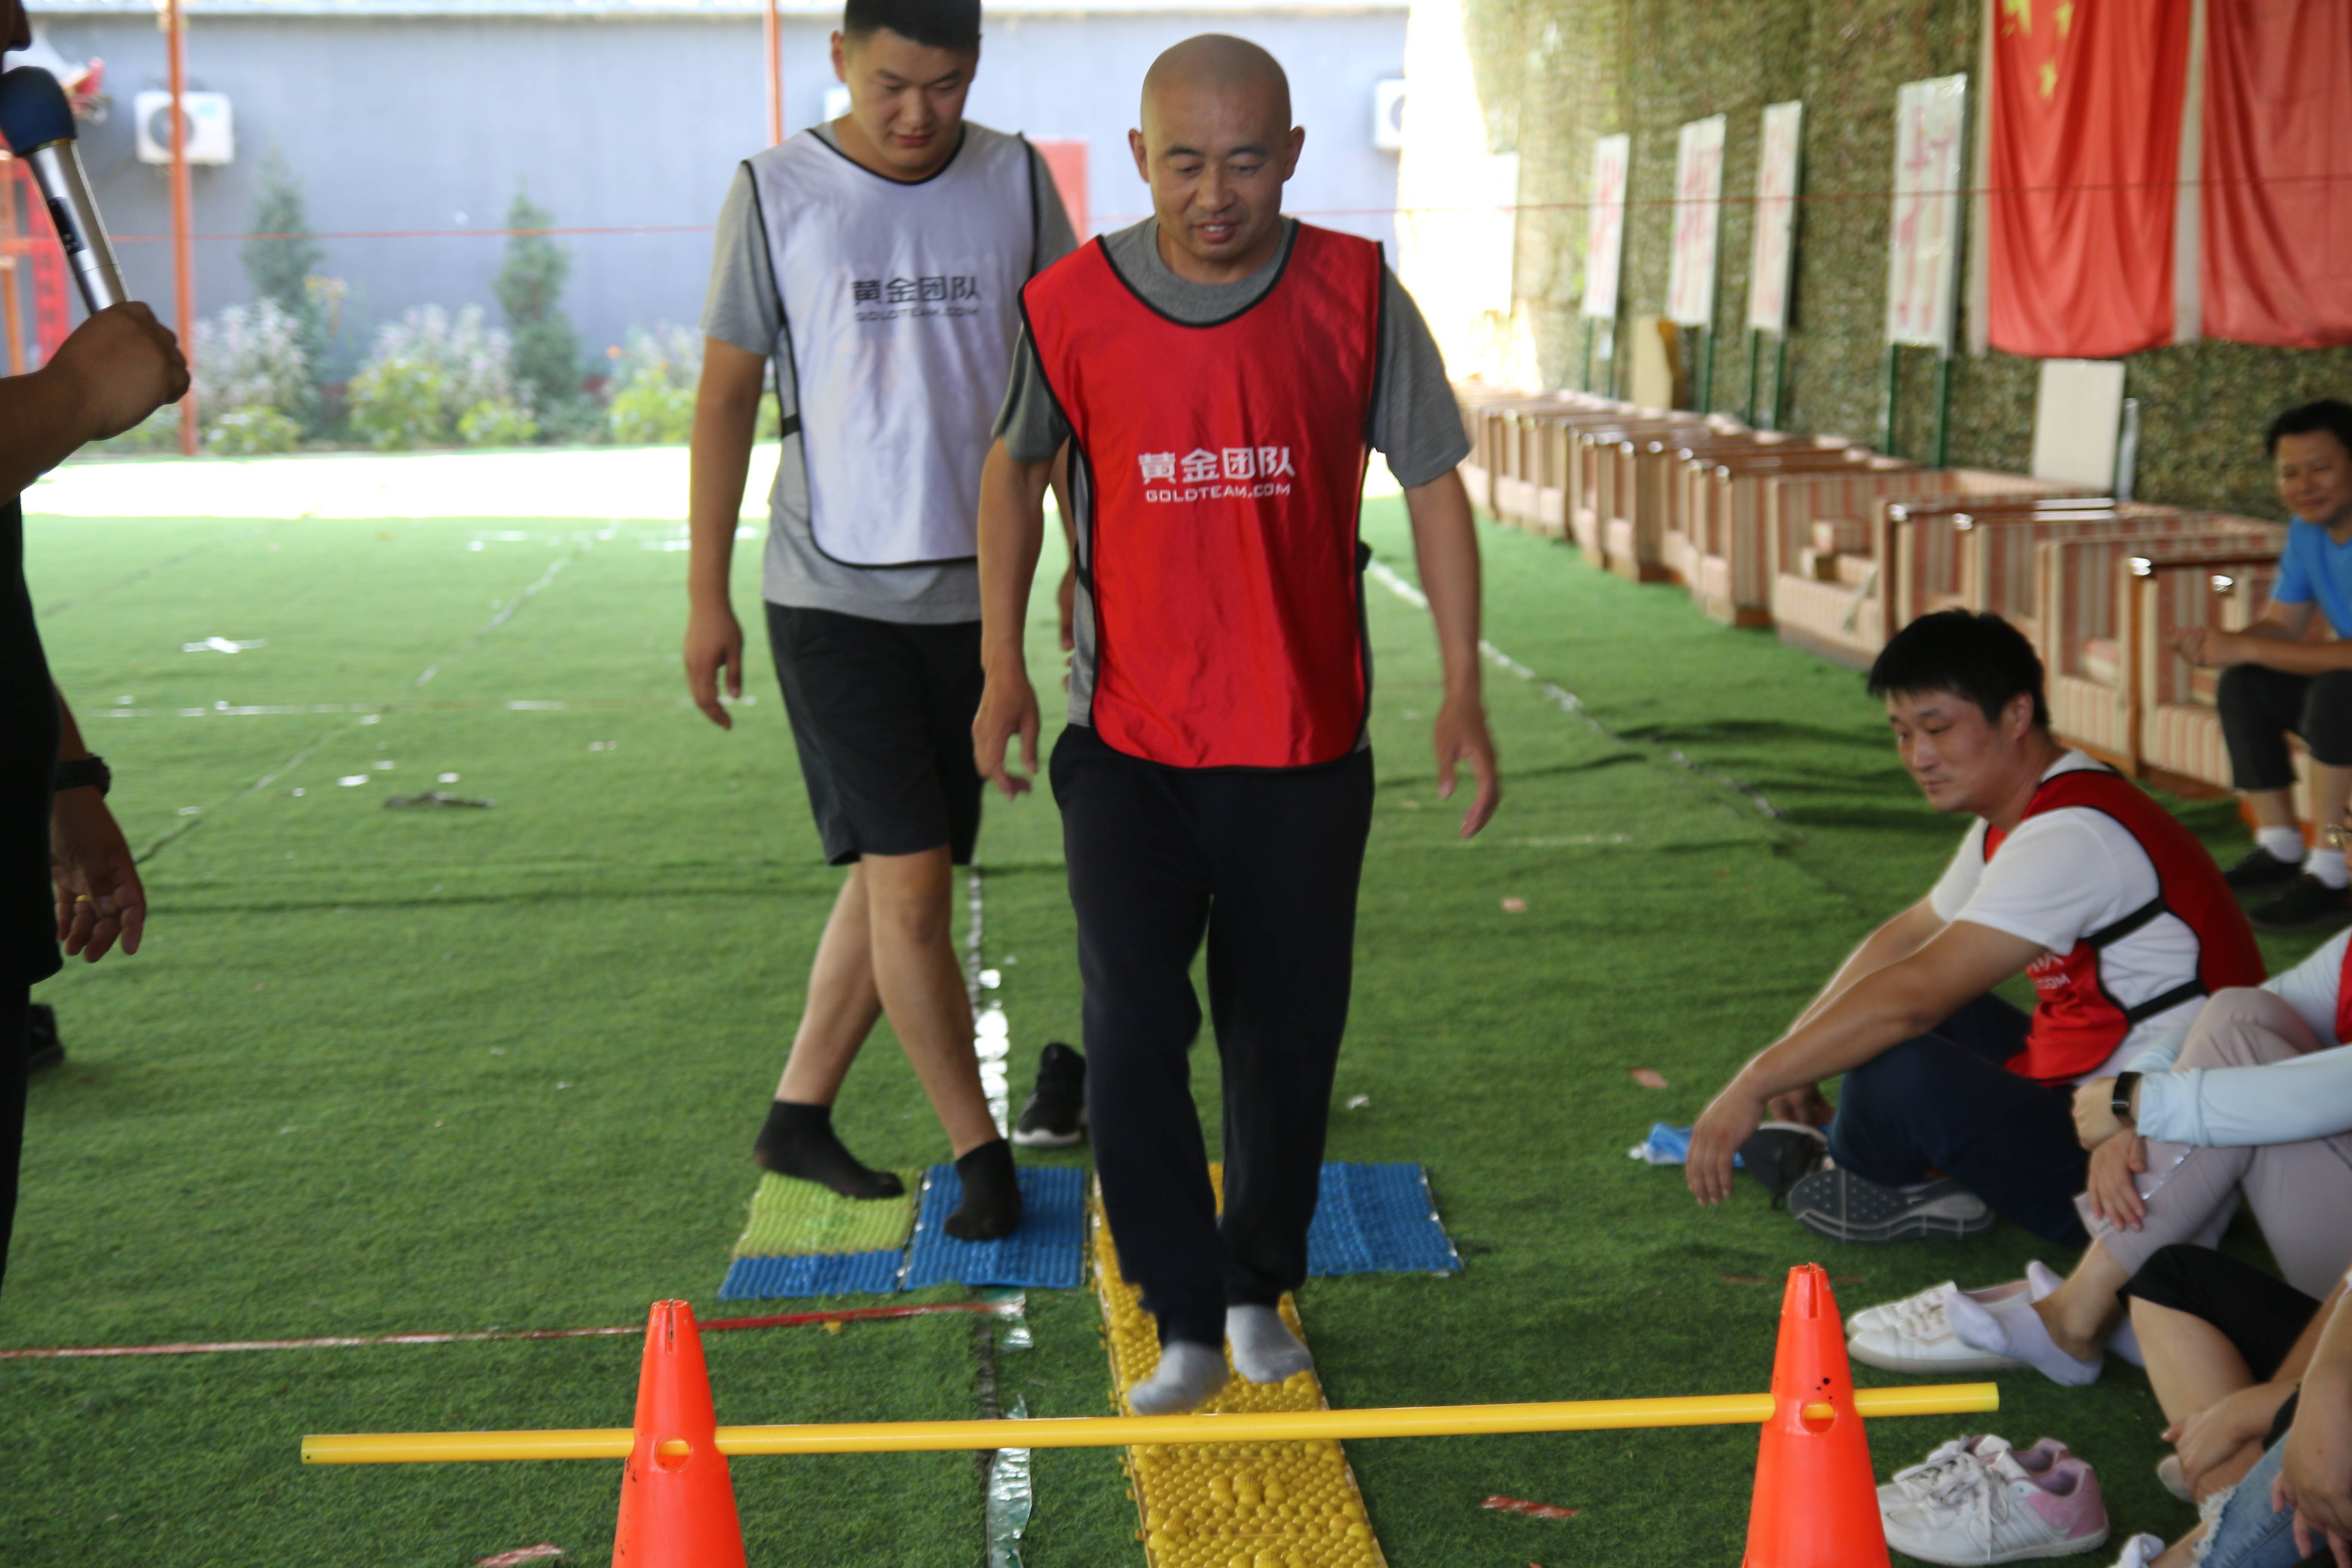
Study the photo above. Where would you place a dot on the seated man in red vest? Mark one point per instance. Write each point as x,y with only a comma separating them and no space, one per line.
1218,373
1957,1107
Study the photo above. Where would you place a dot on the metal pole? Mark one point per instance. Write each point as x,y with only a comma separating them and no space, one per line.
1886,409
1755,353
771,30
1779,376
1123,1431
183,260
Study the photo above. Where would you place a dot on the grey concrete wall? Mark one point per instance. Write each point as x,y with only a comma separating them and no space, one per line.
430,123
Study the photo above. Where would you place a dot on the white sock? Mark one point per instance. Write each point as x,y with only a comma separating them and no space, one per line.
2326,867
1265,1350
2284,843
2012,1328
2140,1551
2041,1280
1187,1375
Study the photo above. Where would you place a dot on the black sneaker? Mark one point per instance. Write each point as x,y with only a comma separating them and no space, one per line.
2308,904
43,1049
1846,1208
1055,1116
1780,1154
2258,868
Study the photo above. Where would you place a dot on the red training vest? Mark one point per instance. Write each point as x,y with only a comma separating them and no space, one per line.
2344,999
1219,471
2077,1025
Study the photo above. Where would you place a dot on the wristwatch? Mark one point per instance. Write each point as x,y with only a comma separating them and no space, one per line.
2121,1101
82,773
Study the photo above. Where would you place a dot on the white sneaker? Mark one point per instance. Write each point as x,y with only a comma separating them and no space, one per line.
2039,1281
1914,1334
2140,1551
1998,1512
1949,1459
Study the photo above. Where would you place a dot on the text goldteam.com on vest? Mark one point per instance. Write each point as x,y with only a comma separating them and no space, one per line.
1219,493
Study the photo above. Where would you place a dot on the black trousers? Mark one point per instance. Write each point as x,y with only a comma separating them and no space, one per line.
13,1001
2260,1315
1264,865
2260,707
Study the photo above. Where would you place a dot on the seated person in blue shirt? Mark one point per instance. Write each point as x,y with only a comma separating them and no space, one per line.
2274,683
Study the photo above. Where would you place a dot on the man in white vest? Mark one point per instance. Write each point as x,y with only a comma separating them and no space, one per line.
878,260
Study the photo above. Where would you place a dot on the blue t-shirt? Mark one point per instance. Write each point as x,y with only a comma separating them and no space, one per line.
2315,569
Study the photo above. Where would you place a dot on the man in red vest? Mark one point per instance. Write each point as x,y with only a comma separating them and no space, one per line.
1218,373
1958,1107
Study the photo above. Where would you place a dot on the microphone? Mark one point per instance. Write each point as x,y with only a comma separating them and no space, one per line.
37,124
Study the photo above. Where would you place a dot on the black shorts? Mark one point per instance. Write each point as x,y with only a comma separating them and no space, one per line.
882,719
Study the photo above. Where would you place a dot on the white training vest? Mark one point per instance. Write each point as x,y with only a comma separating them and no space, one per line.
901,307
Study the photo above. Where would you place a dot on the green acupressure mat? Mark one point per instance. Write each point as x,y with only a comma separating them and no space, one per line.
791,1217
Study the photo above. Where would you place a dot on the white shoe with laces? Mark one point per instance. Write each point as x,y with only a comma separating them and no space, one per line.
1998,1512
1914,1334
1949,1459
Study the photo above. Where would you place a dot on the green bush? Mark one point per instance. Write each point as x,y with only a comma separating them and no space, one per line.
253,431
496,423
653,383
397,405
430,372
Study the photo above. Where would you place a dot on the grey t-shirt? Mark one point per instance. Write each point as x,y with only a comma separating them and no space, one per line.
1416,423
744,308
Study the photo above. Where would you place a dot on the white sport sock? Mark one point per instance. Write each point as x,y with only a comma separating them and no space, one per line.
2326,867
2011,1327
1187,1375
1265,1350
2284,843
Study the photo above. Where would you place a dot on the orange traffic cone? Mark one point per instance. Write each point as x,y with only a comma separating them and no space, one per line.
1815,1505
677,1507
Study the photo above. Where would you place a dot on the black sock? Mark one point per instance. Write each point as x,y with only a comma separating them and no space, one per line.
799,1141
992,1194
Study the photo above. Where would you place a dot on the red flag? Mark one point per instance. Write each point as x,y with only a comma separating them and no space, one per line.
2086,107
2278,173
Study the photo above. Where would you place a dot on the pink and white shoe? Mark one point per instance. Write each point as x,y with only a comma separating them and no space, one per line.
1949,1459
1999,1512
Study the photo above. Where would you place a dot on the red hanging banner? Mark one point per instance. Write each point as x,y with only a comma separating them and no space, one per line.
2277,210
2086,112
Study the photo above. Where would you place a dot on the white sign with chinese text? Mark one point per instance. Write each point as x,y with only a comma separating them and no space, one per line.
1698,218
1771,259
1923,249
1604,232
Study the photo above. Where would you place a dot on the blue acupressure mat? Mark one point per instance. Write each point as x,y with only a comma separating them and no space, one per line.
812,1274
1048,1251
1377,1219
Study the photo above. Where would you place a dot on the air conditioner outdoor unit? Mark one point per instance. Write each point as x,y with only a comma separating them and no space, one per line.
1387,114
211,132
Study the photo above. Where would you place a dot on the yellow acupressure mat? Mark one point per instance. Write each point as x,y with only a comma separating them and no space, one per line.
1231,1505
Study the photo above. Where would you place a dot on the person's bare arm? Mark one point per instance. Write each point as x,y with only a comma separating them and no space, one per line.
113,371
2274,641
1065,596
726,423
1878,1011
2223,1428
2315,1472
1896,939
1446,553
100,897
1012,533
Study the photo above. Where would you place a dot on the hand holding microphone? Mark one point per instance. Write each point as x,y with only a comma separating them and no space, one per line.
122,365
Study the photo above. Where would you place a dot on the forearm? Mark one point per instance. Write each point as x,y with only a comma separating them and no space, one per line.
726,423
71,748
1876,1012
1892,942
2288,1101
2304,1352
2272,650
1012,534
46,421
1446,553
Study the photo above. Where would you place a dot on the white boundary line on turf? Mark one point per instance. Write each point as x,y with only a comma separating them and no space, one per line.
1568,701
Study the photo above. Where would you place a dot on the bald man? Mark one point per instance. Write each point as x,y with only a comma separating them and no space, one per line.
1218,373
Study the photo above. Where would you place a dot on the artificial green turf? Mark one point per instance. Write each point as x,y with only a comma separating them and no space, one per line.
380,1070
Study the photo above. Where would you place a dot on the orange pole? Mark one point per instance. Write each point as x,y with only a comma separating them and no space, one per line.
772,32
183,261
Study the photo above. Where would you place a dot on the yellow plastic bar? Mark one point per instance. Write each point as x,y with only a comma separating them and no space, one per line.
1123,1431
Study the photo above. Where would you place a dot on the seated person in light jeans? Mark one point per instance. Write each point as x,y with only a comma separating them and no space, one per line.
2275,684
2253,1099
1955,1106
2295,1504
